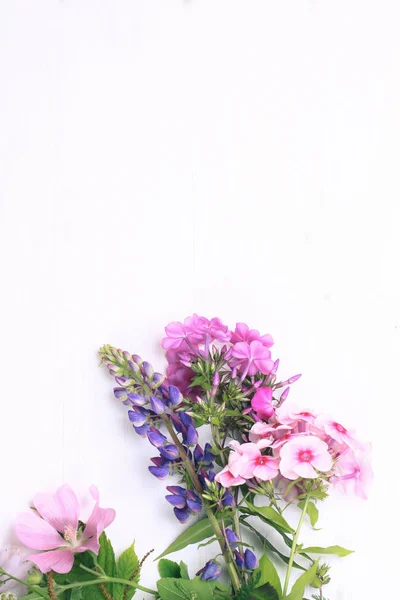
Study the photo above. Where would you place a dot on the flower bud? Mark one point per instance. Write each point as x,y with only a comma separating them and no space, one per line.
210,572
34,577
250,560
294,378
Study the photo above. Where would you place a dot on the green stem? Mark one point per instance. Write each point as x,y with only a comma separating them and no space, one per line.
103,579
294,545
34,588
212,518
225,553
218,444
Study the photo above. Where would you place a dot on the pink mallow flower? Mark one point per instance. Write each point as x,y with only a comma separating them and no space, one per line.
301,456
353,473
242,333
55,528
251,358
261,403
14,562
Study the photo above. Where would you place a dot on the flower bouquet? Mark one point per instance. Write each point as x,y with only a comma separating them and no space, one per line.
263,455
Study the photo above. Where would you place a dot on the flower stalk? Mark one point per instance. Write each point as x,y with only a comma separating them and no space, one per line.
210,514
293,551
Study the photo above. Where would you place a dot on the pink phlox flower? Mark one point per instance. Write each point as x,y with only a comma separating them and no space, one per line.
194,331
227,477
353,473
336,431
177,334
242,333
251,358
261,403
216,330
303,456
291,414
248,461
202,331
55,528
262,430
285,437
14,562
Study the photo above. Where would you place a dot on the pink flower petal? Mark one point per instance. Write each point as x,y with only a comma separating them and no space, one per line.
306,470
60,561
226,479
36,533
266,472
61,510
323,462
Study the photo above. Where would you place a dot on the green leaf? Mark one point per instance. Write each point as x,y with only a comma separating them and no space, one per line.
126,566
338,550
270,514
312,511
106,559
92,592
265,592
169,568
199,531
184,570
34,596
183,589
267,544
297,591
269,575
76,594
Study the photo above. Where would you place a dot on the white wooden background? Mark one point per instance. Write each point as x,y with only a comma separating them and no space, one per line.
234,158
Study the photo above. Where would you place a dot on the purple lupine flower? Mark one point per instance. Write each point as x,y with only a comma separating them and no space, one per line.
176,500
136,399
231,537
156,438
176,489
175,395
169,451
250,560
182,514
157,405
147,370
160,472
227,499
121,394
157,379
210,572
204,457
239,558
183,424
138,416
142,430
191,436
193,502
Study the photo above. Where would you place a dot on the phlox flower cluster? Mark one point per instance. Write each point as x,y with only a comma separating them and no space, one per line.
299,445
